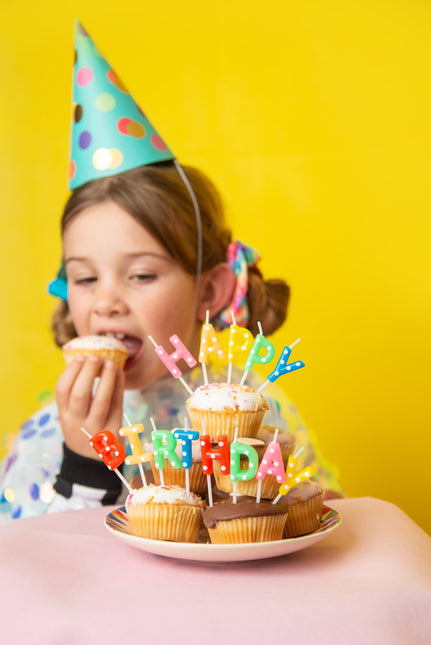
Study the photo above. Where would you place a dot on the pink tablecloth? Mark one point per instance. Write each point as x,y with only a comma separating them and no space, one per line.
65,580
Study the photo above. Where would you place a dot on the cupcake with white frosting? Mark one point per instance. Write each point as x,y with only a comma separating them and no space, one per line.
221,408
164,513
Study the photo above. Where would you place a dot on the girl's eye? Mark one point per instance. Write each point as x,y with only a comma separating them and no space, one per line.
144,277
84,281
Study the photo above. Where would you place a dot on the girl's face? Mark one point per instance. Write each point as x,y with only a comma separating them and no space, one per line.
122,281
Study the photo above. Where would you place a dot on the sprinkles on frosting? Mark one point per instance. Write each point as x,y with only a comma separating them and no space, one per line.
227,396
96,343
168,494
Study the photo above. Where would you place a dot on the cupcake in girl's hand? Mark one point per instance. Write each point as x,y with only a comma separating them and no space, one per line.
245,521
223,407
164,513
304,505
106,347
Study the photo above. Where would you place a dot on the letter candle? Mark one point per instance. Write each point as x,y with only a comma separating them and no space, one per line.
186,437
236,450
260,342
162,479
170,360
271,464
283,367
292,477
210,344
132,432
108,449
209,454
239,340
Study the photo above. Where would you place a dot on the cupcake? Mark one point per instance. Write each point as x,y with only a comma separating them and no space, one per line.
164,513
285,438
224,482
106,347
304,505
177,476
270,486
245,521
224,407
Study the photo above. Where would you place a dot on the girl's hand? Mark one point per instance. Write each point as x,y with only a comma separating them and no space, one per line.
80,406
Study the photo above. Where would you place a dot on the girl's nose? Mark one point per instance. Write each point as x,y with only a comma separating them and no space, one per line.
109,301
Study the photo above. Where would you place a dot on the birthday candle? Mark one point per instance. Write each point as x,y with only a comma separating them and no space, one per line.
170,360
209,454
186,437
108,448
236,450
112,452
210,345
260,342
283,367
293,478
132,433
272,462
239,341
164,447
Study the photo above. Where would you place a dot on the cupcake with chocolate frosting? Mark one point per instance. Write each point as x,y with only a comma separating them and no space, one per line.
304,504
245,521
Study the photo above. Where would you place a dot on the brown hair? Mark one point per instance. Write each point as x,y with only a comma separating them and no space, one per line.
157,198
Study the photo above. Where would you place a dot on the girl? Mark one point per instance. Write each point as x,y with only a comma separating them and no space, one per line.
130,250
146,253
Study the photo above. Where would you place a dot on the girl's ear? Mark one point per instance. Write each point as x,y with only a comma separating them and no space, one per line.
216,290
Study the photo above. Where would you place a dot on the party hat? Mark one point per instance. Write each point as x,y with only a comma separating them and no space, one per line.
110,133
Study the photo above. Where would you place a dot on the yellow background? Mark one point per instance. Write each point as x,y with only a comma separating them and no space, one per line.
313,118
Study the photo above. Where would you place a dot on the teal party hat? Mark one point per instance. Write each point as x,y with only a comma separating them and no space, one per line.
110,133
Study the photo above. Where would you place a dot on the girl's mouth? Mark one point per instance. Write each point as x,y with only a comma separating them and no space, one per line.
134,347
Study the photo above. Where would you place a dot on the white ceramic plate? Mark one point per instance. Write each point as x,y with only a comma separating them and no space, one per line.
117,524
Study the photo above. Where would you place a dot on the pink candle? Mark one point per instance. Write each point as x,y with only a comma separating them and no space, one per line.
272,463
171,360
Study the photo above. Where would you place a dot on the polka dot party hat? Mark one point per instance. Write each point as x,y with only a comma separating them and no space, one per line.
110,133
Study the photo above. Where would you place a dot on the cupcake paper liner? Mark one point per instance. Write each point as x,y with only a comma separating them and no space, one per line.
197,478
304,517
174,522
248,529
217,423
224,483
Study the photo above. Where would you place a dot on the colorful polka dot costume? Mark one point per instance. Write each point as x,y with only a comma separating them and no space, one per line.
110,133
